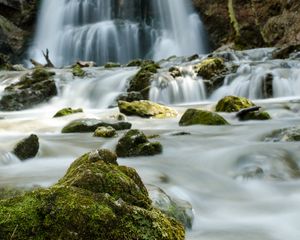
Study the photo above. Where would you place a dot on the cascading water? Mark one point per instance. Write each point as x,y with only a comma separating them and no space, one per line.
106,30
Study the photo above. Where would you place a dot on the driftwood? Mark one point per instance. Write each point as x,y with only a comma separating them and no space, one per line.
244,111
49,64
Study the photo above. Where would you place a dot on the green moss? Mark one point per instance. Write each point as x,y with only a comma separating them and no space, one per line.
233,19
112,65
141,81
106,132
146,109
67,111
233,104
78,71
135,63
135,143
210,67
195,116
94,200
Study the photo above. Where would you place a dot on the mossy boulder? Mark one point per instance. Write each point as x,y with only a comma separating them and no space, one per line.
105,132
27,147
146,109
196,116
233,104
135,143
210,67
67,111
141,81
112,65
32,89
78,71
91,124
96,199
175,72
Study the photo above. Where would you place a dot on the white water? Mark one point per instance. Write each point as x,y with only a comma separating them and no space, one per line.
213,168
104,30
247,81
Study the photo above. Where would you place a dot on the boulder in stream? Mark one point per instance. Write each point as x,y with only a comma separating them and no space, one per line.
146,109
27,148
32,89
67,111
91,124
135,143
78,71
233,104
105,132
291,134
96,199
179,209
210,67
195,116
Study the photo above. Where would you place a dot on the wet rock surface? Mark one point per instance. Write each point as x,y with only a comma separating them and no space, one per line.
27,148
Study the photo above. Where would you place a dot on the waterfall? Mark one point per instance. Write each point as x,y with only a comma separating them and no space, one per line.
116,30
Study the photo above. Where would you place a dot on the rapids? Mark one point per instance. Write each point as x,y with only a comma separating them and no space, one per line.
214,168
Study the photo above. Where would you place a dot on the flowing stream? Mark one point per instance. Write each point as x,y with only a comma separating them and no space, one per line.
239,185
112,30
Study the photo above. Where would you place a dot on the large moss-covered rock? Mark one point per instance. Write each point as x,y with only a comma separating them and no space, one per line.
146,109
91,124
27,147
141,81
196,116
135,143
210,67
233,104
112,65
32,89
96,199
67,111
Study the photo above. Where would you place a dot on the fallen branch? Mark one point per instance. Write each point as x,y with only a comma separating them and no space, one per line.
49,64
245,111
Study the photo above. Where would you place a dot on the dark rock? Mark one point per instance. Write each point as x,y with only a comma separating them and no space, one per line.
112,65
94,200
284,52
27,148
130,97
32,89
135,143
195,116
91,124
175,72
267,87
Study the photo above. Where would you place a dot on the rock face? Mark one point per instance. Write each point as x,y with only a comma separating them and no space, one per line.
195,116
146,109
27,148
96,199
17,21
135,143
91,124
249,24
32,89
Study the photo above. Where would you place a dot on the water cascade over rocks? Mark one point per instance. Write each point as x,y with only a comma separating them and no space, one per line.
106,30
